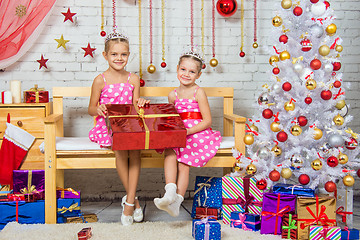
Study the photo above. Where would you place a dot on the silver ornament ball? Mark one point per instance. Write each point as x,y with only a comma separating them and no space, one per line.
263,153
336,140
276,87
328,67
317,31
298,67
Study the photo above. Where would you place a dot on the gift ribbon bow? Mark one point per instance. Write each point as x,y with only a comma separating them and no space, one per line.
294,60
36,90
241,221
207,227
354,135
324,233
204,185
30,188
293,188
348,231
143,116
72,207
292,225
342,213
68,190
244,203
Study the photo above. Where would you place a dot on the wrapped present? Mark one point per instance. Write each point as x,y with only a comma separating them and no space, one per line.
67,207
5,190
22,212
207,194
344,204
319,210
156,126
67,193
349,234
240,194
36,95
206,212
28,181
83,218
245,221
324,233
206,229
298,190
275,205
85,233
289,226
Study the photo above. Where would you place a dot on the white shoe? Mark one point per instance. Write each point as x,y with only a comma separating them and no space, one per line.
174,208
168,198
127,220
138,213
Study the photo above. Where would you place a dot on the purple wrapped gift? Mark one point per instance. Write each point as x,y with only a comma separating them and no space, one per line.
67,193
275,205
28,181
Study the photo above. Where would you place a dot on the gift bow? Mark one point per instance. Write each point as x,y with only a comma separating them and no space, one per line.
354,135
207,227
324,233
204,185
293,188
280,213
244,203
321,217
70,209
36,90
348,231
343,214
28,190
68,190
241,221
292,225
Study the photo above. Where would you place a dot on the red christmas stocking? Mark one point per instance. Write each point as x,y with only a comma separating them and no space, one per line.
15,145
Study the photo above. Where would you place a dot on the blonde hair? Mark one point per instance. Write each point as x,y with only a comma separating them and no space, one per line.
192,58
115,40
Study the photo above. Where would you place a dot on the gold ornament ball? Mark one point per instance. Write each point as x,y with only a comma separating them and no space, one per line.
286,4
338,120
255,45
286,173
348,180
275,126
331,29
276,150
289,106
254,128
251,169
284,55
316,164
296,130
248,139
277,21
214,62
310,84
343,158
324,50
273,59
317,133
339,48
151,68
237,168
340,104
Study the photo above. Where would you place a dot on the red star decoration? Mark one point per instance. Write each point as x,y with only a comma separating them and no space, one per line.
68,15
88,50
42,62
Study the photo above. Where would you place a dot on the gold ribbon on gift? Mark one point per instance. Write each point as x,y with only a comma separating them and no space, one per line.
30,188
142,116
36,90
72,207
354,135
66,189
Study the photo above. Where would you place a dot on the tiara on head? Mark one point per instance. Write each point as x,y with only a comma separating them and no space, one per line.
115,35
194,52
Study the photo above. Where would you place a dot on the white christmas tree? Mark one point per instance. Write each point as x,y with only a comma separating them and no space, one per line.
301,133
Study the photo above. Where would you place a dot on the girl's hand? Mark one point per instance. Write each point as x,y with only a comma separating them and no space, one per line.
141,102
101,110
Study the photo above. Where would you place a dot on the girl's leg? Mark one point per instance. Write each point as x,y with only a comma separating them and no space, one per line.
183,178
134,173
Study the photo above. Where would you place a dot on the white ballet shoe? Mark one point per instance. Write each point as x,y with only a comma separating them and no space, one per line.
168,198
127,220
138,213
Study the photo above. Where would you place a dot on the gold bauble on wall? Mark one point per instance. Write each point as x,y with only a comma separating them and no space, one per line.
214,62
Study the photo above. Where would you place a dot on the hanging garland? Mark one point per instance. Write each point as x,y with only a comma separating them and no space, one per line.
142,82
192,24
151,68
114,15
242,53
213,62
102,32
255,44
202,31
163,64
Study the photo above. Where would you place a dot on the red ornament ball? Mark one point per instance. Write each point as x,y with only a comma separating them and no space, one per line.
358,172
352,144
326,94
283,38
142,82
336,66
163,64
315,64
276,70
304,179
242,54
297,11
274,176
308,100
286,86
306,45
204,66
226,8
327,4
337,84
302,121
330,186
282,136
261,184
103,33
314,1
267,113
332,161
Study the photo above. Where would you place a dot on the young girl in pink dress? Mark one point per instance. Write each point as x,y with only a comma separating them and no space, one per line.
117,86
202,142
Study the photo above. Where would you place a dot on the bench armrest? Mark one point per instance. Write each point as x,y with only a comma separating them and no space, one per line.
235,118
53,118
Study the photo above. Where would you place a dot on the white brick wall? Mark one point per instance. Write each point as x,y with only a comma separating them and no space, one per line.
246,75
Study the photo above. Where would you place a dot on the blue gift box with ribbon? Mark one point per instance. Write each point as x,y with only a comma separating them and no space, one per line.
298,190
67,207
245,221
349,234
208,193
206,229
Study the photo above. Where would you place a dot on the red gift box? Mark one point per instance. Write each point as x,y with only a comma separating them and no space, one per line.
156,126
204,212
85,233
36,95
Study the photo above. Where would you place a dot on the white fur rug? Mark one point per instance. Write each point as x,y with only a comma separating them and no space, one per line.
104,231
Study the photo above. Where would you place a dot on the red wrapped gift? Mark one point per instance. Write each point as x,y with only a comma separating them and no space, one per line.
156,126
85,233
36,95
204,212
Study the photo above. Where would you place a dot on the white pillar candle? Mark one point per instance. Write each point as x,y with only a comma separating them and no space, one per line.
7,97
15,88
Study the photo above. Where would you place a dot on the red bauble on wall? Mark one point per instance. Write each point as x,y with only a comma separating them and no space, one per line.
274,176
326,94
242,54
267,113
304,179
330,186
103,33
261,184
142,82
336,66
297,11
337,84
315,64
276,70
281,136
358,172
163,64
308,100
286,86
226,8
332,161
283,38
302,121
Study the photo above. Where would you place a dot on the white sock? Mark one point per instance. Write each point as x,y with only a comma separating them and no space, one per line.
168,198
174,208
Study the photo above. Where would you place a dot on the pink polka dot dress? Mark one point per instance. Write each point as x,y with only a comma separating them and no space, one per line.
118,93
200,146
